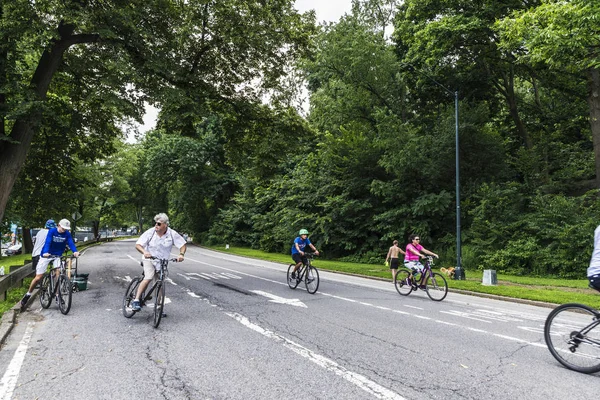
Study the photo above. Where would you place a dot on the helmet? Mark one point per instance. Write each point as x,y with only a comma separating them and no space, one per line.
303,232
50,224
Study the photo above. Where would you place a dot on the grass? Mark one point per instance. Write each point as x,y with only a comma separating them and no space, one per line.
549,290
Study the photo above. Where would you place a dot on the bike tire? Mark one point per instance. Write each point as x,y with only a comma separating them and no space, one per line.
569,341
159,304
65,294
129,296
45,295
403,283
311,279
292,282
436,287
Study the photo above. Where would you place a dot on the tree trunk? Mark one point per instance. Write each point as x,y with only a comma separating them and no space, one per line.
27,242
594,103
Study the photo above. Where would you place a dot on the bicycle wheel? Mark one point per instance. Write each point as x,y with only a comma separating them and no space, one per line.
45,295
311,279
292,282
159,303
65,294
130,296
573,337
436,287
402,282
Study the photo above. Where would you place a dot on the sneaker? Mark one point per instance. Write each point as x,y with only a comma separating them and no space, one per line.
24,300
422,287
293,275
135,305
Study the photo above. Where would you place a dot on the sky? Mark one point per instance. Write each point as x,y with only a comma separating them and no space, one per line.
326,10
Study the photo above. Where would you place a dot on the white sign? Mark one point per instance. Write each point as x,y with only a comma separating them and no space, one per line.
76,215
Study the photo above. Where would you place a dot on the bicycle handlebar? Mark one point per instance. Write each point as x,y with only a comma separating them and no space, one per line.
162,259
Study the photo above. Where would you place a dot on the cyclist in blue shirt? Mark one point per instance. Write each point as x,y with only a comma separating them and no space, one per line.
298,250
55,244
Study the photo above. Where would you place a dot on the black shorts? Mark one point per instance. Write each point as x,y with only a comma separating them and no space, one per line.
34,261
298,258
394,263
595,281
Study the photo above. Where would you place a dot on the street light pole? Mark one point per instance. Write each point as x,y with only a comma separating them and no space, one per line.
458,272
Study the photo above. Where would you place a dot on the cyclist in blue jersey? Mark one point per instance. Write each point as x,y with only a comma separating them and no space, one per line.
298,247
55,245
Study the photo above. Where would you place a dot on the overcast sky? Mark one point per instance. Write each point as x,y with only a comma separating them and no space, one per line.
326,10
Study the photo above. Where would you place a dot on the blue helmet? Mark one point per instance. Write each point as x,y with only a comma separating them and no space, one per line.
50,224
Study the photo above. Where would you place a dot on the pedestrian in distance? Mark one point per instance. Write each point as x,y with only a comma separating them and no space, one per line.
414,252
55,244
392,259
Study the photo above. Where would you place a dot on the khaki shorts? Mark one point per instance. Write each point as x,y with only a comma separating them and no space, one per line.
149,269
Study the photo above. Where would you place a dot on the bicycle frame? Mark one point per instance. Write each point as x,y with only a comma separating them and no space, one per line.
162,274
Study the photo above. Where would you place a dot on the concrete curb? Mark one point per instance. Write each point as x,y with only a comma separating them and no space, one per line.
9,318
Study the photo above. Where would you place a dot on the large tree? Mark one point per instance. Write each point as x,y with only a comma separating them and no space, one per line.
564,36
229,52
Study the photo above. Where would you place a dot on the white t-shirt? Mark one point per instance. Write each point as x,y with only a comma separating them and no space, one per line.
160,246
594,268
40,239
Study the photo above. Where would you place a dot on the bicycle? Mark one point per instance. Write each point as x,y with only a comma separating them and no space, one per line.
572,337
306,272
157,289
433,283
59,286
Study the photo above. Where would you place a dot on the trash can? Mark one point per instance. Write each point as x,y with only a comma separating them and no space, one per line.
80,282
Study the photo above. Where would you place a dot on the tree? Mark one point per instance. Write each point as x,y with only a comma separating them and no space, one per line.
564,36
228,51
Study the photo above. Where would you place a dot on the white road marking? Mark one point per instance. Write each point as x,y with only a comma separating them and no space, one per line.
361,381
9,380
455,313
280,300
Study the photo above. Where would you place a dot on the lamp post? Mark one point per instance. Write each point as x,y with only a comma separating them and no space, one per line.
459,273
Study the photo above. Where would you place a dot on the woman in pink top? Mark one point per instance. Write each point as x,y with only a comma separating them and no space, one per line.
414,251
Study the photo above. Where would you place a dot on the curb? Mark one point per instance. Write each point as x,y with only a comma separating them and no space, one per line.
9,318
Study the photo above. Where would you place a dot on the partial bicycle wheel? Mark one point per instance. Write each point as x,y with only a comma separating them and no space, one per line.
65,294
129,296
403,283
45,295
292,282
312,279
159,303
436,286
573,337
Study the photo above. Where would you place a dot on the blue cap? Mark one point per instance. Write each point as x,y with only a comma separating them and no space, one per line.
50,224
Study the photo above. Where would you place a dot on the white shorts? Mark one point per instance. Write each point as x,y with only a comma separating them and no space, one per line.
43,264
414,265
149,268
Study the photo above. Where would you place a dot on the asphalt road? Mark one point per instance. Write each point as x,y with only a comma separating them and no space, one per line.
235,330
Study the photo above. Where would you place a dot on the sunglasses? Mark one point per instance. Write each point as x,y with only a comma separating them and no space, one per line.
159,223
418,239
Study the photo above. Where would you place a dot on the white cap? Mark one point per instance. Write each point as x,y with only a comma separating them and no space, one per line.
65,223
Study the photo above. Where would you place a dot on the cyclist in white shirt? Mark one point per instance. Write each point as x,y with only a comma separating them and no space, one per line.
156,242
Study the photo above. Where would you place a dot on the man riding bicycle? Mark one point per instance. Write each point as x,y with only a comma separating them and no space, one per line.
298,250
156,242
55,245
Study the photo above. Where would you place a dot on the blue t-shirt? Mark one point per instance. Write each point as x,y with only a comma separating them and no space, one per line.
56,242
301,243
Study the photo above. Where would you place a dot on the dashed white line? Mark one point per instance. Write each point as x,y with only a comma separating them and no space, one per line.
9,380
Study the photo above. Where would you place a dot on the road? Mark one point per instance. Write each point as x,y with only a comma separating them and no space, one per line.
234,330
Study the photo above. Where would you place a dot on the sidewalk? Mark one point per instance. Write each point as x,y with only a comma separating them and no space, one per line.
9,318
